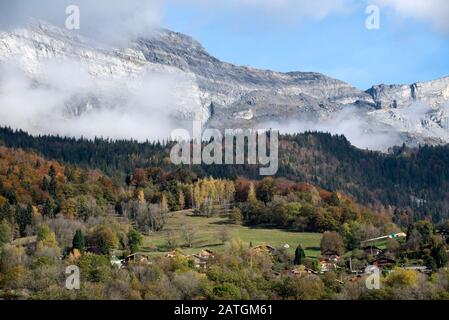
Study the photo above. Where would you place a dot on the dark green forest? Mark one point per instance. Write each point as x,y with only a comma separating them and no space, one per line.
410,183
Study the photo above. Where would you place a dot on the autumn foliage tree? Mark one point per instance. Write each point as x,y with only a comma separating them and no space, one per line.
332,241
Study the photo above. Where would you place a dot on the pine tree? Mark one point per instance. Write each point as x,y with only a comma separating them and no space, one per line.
45,185
79,241
134,240
24,218
48,209
299,255
53,184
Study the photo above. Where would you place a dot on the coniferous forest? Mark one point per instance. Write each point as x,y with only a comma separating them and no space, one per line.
410,182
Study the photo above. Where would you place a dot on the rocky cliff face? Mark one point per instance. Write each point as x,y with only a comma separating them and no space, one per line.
243,96
421,110
220,94
432,93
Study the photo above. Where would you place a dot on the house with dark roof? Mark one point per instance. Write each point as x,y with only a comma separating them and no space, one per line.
383,262
372,250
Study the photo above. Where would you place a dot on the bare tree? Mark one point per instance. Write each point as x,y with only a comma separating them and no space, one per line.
172,240
225,234
148,217
189,233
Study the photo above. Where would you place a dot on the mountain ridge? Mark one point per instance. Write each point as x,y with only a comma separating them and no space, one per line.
223,95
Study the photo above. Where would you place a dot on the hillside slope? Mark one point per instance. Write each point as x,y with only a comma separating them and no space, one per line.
416,180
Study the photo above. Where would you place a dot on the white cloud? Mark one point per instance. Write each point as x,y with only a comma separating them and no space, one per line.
139,107
350,122
434,11
108,20
117,19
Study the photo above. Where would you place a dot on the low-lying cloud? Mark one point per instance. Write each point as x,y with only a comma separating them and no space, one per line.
354,124
69,101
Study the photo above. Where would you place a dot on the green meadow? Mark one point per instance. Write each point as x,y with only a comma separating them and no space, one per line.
208,235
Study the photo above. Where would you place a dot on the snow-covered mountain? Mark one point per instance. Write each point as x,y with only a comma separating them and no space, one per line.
172,73
41,47
420,110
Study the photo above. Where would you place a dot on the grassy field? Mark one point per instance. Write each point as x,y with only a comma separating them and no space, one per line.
208,232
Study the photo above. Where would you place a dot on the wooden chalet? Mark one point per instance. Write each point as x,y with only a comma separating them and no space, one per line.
326,266
383,262
201,259
330,256
137,258
328,261
302,270
372,250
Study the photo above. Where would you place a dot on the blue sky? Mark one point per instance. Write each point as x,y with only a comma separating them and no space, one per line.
407,48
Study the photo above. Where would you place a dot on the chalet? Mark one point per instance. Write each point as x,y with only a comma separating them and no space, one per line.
264,249
302,270
329,260
326,266
372,250
383,262
174,254
330,256
137,258
201,259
